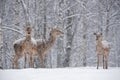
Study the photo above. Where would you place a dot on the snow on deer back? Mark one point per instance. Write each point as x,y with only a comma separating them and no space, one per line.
23,40
105,44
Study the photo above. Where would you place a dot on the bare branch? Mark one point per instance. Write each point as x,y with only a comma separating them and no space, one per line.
112,3
115,14
88,15
83,6
69,7
66,27
11,26
25,11
13,30
116,23
73,35
71,16
91,14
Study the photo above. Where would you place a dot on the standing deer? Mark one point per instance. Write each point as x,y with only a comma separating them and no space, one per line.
24,46
28,45
43,47
102,49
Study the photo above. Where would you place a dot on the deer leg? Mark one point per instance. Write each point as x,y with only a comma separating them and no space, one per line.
103,62
15,64
106,62
40,58
41,61
97,61
25,61
31,61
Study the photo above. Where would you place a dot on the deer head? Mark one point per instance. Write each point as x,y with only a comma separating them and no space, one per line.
28,31
55,32
98,36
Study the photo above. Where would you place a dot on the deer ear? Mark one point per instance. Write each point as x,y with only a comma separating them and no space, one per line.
94,33
50,28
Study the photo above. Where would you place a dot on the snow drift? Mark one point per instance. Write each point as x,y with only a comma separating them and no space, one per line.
61,74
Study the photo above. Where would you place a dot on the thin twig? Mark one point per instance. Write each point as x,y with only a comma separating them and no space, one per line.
13,30
71,16
69,7
25,11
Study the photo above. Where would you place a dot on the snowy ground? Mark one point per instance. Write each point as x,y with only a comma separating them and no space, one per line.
61,74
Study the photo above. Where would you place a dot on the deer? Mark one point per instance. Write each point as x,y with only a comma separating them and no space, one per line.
44,47
102,49
33,47
24,46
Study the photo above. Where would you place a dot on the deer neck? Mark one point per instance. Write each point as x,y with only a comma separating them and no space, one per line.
28,38
99,42
51,41
45,46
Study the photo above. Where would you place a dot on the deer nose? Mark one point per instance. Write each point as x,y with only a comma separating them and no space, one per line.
28,32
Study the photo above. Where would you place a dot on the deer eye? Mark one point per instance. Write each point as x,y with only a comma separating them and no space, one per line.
28,32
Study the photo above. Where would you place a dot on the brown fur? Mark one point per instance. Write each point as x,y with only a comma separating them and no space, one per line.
45,46
28,46
101,51
23,47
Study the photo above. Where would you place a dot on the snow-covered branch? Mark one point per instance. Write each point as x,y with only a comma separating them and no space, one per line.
116,23
115,14
69,7
13,30
71,16
25,10
66,27
112,3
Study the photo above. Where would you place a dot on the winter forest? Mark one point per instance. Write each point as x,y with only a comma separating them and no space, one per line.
77,19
